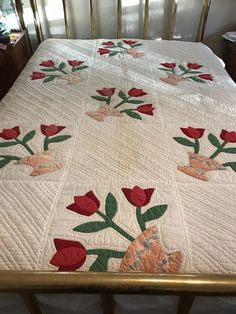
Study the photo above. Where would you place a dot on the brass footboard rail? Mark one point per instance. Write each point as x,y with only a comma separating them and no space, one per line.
121,283
93,24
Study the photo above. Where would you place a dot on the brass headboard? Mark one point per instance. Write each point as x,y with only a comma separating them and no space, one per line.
93,29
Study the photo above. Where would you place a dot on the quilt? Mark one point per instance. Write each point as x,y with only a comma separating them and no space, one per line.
119,155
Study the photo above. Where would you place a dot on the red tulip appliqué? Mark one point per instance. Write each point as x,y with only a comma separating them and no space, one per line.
179,72
133,97
72,73
42,162
144,253
199,165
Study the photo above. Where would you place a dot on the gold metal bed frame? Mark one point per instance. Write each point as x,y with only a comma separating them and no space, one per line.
186,286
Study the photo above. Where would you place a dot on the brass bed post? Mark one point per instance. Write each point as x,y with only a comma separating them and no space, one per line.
173,19
93,19
203,19
37,23
146,19
119,18
19,10
67,20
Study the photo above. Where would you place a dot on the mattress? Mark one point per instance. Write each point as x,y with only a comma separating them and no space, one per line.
119,155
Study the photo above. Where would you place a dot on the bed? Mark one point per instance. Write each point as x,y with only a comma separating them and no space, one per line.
118,157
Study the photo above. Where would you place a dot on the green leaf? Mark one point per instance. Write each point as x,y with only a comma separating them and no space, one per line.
111,205
100,98
59,138
6,144
135,101
29,136
231,165
4,162
49,79
214,140
164,69
120,44
230,150
83,67
184,141
133,115
182,68
92,226
61,65
113,53
122,95
154,212
48,70
136,45
196,79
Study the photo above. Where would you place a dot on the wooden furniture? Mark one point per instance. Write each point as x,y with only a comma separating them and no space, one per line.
12,62
230,58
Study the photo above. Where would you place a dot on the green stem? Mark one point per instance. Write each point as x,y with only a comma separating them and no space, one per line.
10,157
60,70
113,253
196,146
219,150
45,144
25,146
122,102
185,72
140,219
113,225
109,100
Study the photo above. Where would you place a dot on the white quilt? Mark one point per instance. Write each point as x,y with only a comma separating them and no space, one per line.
119,156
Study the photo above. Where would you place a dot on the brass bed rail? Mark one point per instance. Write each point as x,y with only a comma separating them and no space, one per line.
93,24
132,283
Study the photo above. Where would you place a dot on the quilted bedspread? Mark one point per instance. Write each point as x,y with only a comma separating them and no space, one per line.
119,155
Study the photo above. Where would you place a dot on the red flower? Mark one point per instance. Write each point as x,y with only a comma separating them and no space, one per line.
75,63
49,130
206,77
146,109
194,66
228,136
47,64
134,92
108,43
129,42
106,91
103,51
70,255
10,134
37,76
193,132
86,205
138,196
169,65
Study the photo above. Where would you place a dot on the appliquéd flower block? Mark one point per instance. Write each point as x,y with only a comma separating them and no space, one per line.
121,48
52,71
132,98
145,252
199,164
42,162
180,72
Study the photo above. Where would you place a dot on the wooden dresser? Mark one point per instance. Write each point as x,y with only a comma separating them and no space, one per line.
230,58
12,62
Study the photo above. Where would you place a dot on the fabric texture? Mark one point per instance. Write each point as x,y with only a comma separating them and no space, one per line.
125,173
